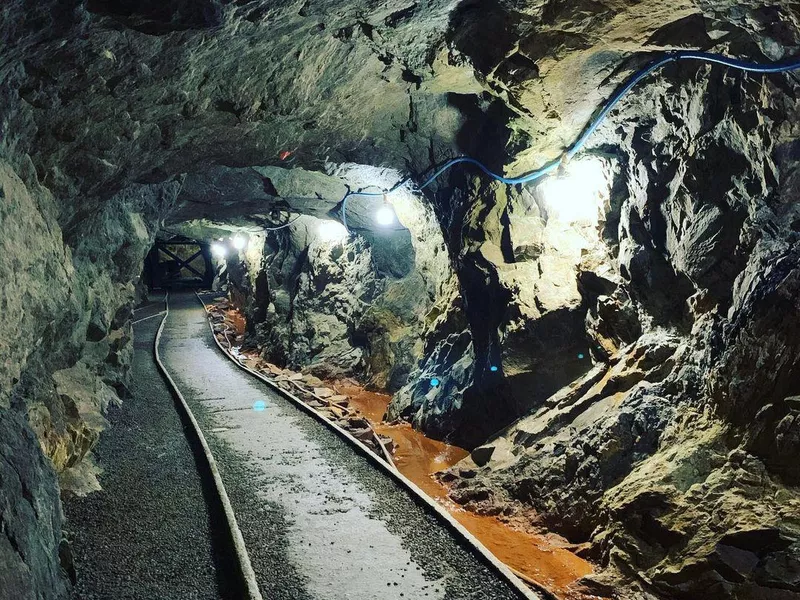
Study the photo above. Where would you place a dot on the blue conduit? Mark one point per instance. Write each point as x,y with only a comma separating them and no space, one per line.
751,67
276,228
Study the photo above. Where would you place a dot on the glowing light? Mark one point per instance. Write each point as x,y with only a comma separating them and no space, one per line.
218,250
580,356
385,215
577,195
239,242
259,405
493,368
435,382
332,231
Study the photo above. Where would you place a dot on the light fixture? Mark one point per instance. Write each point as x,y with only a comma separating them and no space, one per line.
239,242
577,194
332,231
218,250
385,215
493,368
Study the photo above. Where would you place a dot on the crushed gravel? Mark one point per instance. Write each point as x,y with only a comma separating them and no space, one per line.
452,570
149,534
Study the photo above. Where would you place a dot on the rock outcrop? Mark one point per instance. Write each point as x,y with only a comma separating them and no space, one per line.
670,456
66,351
345,305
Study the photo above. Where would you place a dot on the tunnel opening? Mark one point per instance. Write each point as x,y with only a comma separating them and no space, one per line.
177,261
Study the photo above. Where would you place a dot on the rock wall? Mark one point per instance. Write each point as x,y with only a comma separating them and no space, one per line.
350,306
670,456
525,273
67,299
524,292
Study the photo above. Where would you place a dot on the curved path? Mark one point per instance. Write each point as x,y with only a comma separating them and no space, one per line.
319,520
154,530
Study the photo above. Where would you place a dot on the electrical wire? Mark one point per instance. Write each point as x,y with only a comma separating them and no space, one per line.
577,146
277,227
383,192
741,65
630,83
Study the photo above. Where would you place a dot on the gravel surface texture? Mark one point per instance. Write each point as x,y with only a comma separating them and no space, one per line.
320,521
149,534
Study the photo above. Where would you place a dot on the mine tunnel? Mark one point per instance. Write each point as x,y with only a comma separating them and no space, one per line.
345,300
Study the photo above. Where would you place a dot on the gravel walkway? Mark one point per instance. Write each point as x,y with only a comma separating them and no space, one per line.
149,534
320,521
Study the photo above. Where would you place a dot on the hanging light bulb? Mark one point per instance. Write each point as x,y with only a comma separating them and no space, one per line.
385,215
218,250
577,194
239,242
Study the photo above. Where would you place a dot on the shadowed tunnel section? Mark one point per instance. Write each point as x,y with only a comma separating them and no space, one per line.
160,18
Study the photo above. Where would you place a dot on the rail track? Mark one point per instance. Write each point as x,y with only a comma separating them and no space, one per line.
242,557
380,460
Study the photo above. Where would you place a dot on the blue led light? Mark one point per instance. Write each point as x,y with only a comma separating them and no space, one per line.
580,356
493,368
434,382
259,405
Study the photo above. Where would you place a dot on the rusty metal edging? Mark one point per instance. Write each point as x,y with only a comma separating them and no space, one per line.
500,567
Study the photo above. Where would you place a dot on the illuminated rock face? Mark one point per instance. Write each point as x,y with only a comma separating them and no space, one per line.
670,455
649,354
343,306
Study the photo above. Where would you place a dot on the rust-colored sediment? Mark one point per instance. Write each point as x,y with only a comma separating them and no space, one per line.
418,457
236,320
540,558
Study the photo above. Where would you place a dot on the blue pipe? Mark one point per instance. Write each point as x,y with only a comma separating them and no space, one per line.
643,72
751,67
630,83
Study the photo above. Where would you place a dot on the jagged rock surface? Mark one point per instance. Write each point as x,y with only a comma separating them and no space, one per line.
673,449
67,346
349,306
671,456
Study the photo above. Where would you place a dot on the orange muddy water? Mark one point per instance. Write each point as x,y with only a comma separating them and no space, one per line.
540,558
536,557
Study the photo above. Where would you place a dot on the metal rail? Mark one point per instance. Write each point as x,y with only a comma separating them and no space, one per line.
228,352
415,492
246,571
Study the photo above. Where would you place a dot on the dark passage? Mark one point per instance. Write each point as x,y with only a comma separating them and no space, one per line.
149,533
